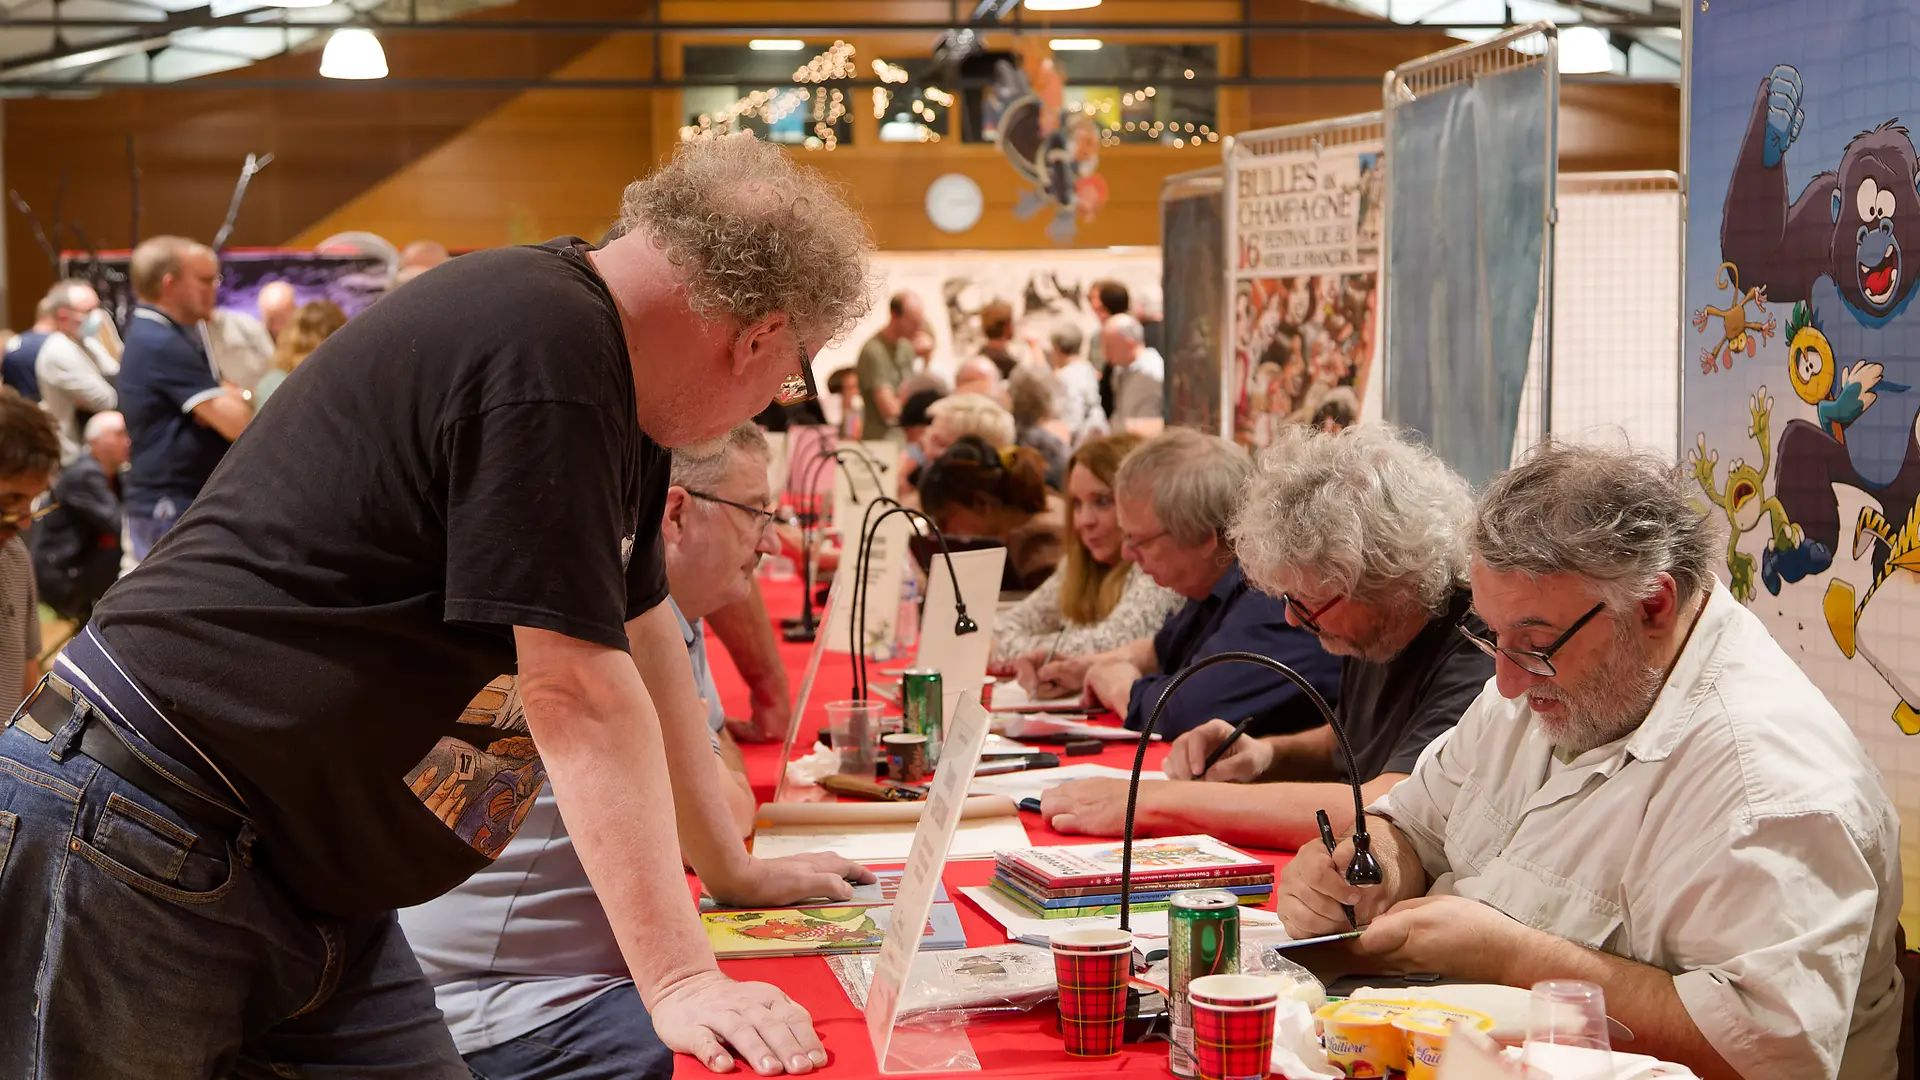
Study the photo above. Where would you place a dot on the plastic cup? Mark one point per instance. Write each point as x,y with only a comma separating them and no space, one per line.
1567,1031
1233,1025
854,727
1092,968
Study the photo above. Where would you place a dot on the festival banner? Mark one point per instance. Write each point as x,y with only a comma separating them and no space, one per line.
1801,363
1306,270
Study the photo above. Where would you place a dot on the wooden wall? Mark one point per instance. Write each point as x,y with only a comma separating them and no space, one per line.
475,169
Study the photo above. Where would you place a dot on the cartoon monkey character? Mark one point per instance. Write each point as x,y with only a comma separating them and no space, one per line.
1810,365
1734,324
1879,636
1743,502
1841,245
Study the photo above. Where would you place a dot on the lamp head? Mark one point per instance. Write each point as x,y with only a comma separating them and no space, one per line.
965,624
1364,869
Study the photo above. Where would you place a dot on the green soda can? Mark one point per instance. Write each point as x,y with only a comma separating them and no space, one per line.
921,702
1203,930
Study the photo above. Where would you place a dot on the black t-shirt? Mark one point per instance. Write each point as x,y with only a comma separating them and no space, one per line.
1393,710
461,458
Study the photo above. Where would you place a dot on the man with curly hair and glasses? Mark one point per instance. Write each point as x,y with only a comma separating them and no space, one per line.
1650,796
429,575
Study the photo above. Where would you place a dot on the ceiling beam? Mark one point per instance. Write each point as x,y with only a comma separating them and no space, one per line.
643,26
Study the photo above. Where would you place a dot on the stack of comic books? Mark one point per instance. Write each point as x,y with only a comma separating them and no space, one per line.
1077,880
845,926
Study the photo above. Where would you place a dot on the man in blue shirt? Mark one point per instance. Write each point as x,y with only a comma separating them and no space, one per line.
1175,496
179,414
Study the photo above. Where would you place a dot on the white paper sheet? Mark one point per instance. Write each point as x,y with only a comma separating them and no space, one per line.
1010,696
1029,784
1144,924
976,838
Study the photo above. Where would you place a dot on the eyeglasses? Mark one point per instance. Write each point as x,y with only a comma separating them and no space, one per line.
766,518
1140,544
1308,620
799,386
27,517
1532,662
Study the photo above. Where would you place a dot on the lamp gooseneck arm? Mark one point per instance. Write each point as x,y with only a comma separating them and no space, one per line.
963,623
1363,870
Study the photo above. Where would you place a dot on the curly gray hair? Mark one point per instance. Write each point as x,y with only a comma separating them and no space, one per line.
1194,481
705,465
755,233
1618,517
1365,513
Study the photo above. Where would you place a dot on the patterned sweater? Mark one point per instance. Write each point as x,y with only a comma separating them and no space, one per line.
1034,622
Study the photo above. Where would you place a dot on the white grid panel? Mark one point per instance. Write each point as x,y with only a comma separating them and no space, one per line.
1616,329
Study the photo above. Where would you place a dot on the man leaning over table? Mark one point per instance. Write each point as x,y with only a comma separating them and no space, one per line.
1651,796
523,961
1175,497
1363,536
261,745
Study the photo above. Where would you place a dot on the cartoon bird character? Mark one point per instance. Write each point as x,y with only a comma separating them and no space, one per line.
1878,635
1737,329
1745,499
1837,402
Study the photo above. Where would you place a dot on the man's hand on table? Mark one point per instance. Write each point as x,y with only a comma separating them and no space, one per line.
765,723
1313,885
1063,674
1110,683
1095,807
1449,935
1248,759
792,878
705,1013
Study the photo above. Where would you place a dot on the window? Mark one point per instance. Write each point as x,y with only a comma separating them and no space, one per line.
1134,93
909,105
795,96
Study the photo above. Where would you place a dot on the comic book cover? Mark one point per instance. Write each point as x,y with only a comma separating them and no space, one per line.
1172,858
819,930
883,889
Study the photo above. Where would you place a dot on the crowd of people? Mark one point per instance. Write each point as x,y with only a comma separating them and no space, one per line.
301,746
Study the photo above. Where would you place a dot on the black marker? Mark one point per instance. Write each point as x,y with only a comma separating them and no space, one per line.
1326,837
1220,751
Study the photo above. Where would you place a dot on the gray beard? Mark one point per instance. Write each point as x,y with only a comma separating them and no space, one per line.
1610,703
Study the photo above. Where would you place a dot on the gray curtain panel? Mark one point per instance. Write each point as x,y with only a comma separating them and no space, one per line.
1468,175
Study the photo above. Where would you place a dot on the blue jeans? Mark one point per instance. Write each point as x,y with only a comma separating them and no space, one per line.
136,941
608,1038
145,530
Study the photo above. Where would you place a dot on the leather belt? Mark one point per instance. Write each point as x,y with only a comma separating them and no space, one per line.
50,709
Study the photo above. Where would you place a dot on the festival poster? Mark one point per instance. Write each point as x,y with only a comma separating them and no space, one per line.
1801,363
1306,274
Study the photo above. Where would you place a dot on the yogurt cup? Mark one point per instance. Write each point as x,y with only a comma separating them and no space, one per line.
1361,1039
1426,1029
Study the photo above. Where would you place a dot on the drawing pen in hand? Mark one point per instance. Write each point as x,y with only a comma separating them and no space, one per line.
1220,751
1326,837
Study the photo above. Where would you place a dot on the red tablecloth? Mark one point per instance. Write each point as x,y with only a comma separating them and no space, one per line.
1023,1046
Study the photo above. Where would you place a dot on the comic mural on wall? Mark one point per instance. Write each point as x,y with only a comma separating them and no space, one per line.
1802,365
1306,273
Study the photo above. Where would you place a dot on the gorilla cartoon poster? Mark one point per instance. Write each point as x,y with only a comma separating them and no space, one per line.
1801,373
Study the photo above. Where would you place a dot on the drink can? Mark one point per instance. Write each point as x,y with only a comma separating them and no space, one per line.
920,700
1203,929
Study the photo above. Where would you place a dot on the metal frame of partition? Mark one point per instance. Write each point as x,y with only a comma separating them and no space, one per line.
1686,212
1315,135
1497,55
1649,181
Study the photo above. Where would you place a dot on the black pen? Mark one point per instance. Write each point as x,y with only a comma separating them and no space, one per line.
1326,837
1220,751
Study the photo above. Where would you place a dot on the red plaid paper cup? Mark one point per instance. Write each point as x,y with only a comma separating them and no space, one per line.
1092,968
1233,1025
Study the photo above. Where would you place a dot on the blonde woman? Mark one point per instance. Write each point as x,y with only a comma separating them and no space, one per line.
314,323
1096,600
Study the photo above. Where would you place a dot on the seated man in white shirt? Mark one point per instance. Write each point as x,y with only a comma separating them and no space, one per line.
523,961
1651,796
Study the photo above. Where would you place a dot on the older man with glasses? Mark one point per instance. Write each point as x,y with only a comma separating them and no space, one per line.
1651,796
524,964
1175,497
1363,535
268,738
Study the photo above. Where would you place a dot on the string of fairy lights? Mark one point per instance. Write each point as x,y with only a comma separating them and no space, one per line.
827,106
